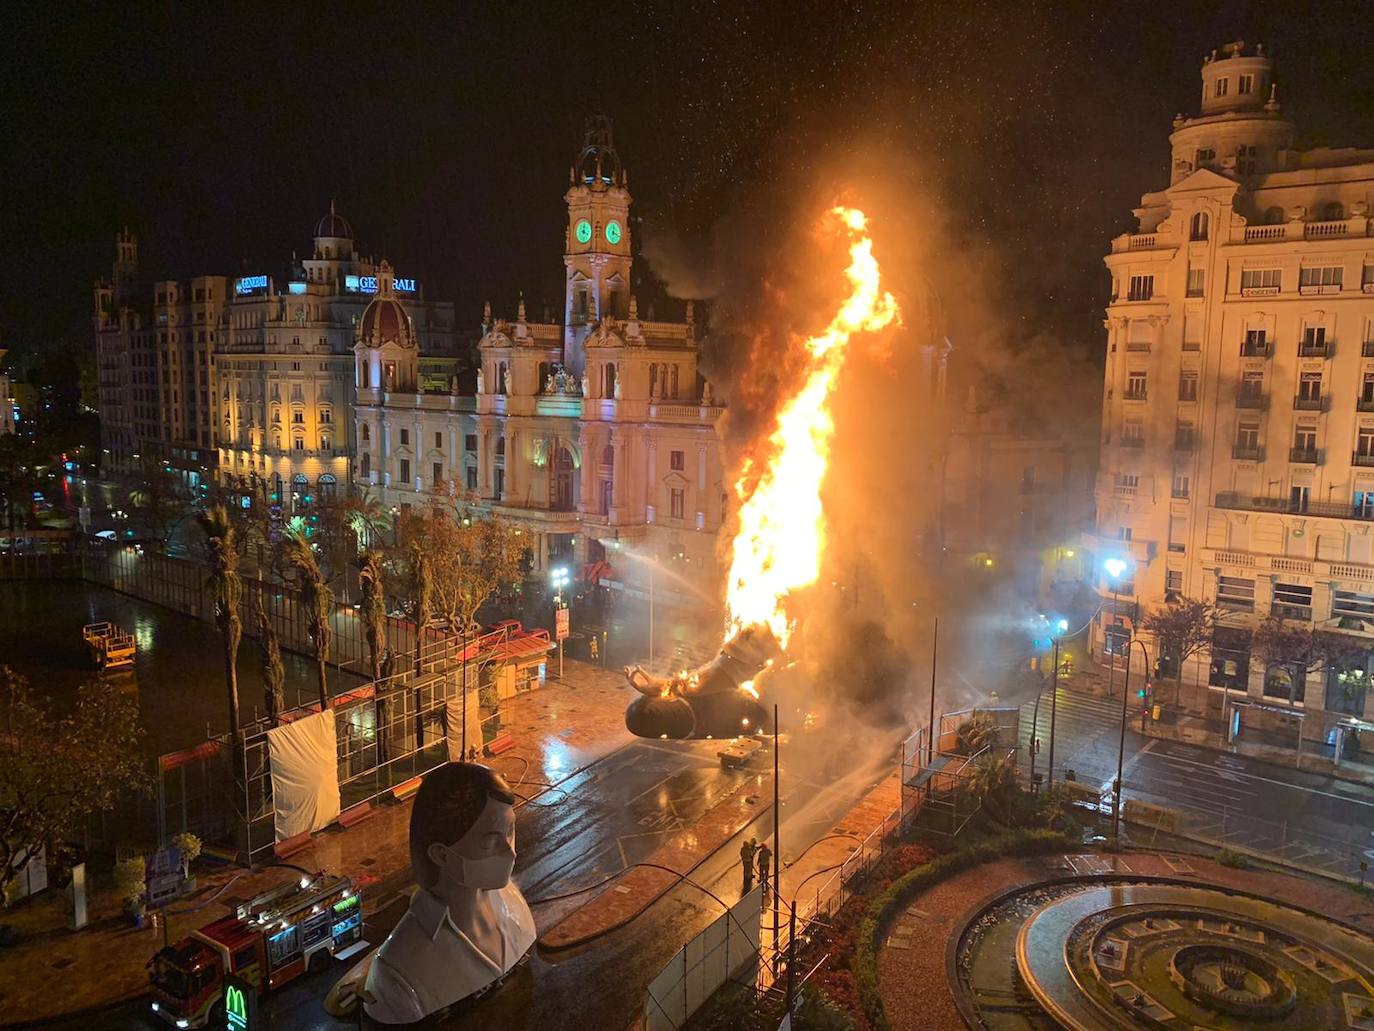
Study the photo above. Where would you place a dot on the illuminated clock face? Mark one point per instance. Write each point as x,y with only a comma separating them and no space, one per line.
584,231
612,232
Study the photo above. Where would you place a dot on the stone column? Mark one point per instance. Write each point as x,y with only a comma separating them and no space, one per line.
591,458
512,465
484,461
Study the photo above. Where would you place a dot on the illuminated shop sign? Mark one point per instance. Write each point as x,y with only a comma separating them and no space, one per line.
368,285
250,284
296,288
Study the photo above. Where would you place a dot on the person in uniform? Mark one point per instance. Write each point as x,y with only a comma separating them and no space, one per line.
468,924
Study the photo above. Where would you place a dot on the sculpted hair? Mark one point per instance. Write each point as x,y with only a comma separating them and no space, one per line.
449,801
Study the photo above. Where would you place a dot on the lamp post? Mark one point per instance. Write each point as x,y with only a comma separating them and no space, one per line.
1060,626
1114,567
559,579
1121,747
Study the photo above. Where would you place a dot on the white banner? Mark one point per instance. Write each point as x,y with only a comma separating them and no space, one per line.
305,774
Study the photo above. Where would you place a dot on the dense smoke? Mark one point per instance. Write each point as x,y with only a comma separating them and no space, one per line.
775,278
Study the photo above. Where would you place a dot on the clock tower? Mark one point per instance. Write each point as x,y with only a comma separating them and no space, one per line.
597,252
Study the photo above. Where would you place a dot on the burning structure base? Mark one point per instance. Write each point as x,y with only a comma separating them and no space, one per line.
719,699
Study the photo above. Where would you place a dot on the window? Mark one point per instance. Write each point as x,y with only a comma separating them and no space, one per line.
1245,84
326,444
438,473
1362,504
1135,385
1293,600
1245,158
1123,533
1269,280
438,439
1197,228
405,436
677,502
1252,385
1305,437
1247,436
1142,288
1197,278
470,442
1255,346
1231,654
677,460
1352,605
1367,389
1133,435
1367,278
1130,481
367,433
405,470
1237,593
1310,388
1187,386
1204,157
1332,212
298,418
1173,581
1221,87
1185,437
298,443
1313,340
1364,443
472,477
1321,276
1299,497
1181,483
325,415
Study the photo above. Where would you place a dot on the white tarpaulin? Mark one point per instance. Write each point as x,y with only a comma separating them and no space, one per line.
305,774
704,964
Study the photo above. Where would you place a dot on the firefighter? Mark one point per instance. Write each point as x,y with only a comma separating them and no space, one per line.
746,858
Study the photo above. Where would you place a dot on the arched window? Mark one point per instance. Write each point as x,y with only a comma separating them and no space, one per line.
1333,212
653,378
673,391
1198,229
367,432
327,485
608,381
501,446
1274,216
366,465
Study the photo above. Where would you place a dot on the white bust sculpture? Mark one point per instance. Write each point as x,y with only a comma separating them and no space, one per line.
467,925
481,381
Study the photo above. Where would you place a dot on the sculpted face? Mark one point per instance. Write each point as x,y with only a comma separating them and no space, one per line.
482,858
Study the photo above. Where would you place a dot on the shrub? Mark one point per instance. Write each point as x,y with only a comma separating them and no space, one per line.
1230,857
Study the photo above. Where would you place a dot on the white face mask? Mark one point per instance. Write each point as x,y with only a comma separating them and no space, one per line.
490,873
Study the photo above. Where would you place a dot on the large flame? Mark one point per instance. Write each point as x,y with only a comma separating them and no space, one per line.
781,523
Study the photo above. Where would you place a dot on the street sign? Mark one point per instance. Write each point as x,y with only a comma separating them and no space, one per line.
561,625
240,1004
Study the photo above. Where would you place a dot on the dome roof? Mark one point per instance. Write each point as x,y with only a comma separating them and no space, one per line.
334,225
384,321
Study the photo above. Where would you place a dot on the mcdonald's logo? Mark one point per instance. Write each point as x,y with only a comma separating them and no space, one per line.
236,1008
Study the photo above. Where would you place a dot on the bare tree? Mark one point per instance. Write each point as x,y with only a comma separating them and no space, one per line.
1292,649
1182,629
318,601
226,588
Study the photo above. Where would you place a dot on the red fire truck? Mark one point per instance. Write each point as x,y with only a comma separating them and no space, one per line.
268,941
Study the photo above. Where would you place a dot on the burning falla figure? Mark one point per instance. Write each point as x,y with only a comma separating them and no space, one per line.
719,699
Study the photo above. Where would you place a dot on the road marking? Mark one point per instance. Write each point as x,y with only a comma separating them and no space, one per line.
1270,780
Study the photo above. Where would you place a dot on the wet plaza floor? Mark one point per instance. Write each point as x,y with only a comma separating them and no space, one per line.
178,677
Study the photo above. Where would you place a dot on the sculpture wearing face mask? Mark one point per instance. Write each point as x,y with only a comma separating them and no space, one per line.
467,925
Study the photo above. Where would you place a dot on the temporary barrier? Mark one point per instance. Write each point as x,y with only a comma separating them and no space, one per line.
729,946
305,775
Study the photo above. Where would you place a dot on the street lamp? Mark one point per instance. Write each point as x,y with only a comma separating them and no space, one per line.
559,579
1115,567
1059,626
1121,746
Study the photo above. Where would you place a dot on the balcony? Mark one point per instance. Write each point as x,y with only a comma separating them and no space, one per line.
1367,349
1256,402
1259,234
1132,442
1254,349
1249,453
1325,230
1314,349
1326,509
1309,404
1286,611
1365,404
1303,456
1362,459
1134,395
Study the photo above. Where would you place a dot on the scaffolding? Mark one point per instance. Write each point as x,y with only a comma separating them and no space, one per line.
936,774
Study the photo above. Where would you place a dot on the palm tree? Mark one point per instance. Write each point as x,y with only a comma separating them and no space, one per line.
227,590
992,781
373,607
422,607
318,601
273,669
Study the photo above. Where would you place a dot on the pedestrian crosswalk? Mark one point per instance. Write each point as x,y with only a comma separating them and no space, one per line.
1086,732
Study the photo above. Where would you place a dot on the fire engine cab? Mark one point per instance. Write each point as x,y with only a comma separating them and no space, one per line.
268,941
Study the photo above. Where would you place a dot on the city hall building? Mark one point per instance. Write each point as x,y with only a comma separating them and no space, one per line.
596,435
1237,456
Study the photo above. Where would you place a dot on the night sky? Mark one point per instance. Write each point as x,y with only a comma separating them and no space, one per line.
220,137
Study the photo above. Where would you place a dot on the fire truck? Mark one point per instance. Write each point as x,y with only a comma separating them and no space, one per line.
269,940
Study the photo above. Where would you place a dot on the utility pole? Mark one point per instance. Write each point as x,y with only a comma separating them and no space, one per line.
934,649
1054,711
777,841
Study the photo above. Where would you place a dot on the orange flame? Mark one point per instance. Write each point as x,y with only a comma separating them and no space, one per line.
781,534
